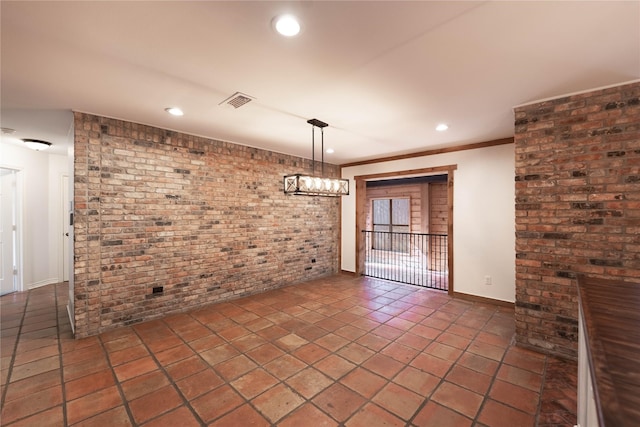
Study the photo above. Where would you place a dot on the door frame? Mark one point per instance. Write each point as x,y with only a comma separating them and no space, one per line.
63,261
19,191
361,201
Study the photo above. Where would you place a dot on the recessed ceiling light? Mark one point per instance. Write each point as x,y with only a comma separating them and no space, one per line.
442,127
330,151
174,111
287,25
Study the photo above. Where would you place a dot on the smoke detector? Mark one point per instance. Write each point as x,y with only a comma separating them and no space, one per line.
237,100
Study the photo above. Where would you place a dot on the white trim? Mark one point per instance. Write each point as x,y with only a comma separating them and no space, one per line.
71,174
60,227
71,319
576,93
20,188
42,283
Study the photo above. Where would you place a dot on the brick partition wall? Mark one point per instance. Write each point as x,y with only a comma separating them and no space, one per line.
204,220
577,207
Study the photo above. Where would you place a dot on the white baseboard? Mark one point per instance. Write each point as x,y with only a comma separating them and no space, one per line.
42,283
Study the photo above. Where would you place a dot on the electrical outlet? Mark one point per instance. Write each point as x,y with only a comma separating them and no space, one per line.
487,280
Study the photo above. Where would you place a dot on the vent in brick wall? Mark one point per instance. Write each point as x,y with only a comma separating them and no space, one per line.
237,100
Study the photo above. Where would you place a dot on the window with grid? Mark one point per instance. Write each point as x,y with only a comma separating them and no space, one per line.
391,216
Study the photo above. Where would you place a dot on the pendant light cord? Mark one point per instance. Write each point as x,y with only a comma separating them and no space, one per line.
322,152
313,150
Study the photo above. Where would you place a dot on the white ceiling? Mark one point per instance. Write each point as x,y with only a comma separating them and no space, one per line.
382,74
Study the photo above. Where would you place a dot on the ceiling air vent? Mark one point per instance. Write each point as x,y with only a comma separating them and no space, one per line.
237,100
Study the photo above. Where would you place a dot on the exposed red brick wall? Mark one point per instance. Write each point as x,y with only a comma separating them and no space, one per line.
206,220
577,207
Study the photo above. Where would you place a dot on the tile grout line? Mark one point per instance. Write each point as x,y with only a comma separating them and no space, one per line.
390,380
290,353
494,377
60,353
544,380
162,369
392,341
247,401
283,381
443,379
280,381
125,401
15,351
334,306
171,380
360,365
379,351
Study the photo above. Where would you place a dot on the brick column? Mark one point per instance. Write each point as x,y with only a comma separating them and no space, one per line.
577,207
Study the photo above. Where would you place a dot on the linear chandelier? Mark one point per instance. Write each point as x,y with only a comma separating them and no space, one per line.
311,185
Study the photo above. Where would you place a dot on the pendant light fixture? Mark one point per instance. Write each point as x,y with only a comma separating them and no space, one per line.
312,185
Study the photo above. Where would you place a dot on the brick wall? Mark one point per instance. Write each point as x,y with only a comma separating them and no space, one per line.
577,207
203,219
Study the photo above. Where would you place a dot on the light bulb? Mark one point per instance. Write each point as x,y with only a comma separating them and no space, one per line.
287,25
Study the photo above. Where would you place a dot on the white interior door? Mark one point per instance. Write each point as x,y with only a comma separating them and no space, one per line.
8,231
65,228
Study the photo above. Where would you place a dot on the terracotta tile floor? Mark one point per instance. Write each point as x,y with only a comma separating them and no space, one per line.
337,351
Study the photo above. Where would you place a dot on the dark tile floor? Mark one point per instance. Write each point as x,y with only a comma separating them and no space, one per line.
337,351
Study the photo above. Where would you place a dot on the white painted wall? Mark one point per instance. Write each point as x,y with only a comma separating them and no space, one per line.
41,211
483,216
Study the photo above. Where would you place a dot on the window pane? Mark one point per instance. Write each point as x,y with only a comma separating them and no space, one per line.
381,211
381,241
400,228
401,211
401,240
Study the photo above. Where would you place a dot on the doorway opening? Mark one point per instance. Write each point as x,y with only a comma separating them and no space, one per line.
405,227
